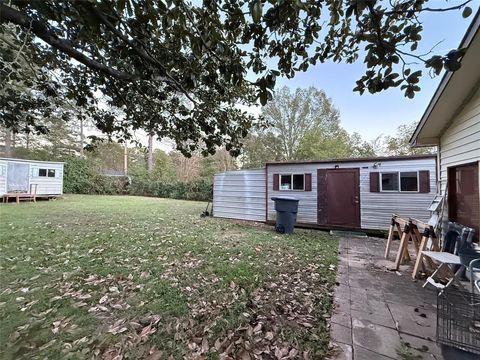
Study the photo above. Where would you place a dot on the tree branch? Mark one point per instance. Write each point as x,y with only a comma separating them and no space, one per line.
41,30
456,7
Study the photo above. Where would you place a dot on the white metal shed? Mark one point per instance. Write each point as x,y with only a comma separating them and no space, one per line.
19,175
344,194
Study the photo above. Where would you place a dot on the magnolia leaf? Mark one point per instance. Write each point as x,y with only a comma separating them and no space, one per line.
467,12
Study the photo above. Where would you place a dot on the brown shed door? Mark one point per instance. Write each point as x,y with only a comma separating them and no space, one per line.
463,196
339,198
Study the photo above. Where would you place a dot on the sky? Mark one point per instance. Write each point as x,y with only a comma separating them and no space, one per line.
374,114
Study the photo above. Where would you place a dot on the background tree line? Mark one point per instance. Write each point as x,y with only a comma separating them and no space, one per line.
303,124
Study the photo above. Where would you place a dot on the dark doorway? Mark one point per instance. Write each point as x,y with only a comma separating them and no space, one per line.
339,198
463,196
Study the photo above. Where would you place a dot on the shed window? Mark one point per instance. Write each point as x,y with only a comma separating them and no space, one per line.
286,182
292,182
409,181
390,181
400,181
46,172
298,181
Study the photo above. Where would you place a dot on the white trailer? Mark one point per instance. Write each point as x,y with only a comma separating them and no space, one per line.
44,178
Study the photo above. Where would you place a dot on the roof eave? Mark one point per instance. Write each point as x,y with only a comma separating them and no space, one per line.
467,39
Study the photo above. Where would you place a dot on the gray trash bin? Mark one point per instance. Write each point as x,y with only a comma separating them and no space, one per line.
286,208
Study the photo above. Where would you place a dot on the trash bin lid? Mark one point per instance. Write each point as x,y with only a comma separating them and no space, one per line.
284,198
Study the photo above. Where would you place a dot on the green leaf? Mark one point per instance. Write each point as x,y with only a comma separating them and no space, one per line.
467,12
256,10
263,98
121,5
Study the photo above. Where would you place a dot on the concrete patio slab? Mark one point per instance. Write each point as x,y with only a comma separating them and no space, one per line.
379,313
379,339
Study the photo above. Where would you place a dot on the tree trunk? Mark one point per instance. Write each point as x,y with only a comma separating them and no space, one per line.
82,137
150,154
125,159
8,142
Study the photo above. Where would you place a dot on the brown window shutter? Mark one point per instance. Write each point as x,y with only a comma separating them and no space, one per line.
322,197
275,182
424,180
308,182
374,182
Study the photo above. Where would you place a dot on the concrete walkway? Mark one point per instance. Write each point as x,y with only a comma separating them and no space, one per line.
382,314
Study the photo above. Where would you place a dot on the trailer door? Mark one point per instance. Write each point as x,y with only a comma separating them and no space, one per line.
339,198
18,177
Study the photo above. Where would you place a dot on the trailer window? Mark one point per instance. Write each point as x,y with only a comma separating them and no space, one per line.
409,181
42,172
400,181
389,181
286,182
51,172
298,181
292,182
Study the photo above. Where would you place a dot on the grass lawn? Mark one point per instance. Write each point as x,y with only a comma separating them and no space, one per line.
113,277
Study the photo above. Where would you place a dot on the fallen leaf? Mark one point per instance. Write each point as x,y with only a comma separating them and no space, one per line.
243,355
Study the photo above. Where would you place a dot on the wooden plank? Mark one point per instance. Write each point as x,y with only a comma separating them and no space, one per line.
418,261
389,239
416,237
403,245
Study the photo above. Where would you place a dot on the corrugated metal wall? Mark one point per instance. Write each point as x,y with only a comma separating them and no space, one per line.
376,208
240,194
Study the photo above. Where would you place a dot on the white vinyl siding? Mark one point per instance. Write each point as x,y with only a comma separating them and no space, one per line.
240,195
47,185
460,142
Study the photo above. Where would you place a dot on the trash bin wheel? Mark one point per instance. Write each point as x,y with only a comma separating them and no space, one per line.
280,229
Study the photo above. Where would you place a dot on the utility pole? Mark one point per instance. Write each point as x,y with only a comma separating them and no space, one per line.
125,159
150,154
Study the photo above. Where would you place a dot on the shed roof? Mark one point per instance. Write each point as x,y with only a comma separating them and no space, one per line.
30,161
363,159
453,92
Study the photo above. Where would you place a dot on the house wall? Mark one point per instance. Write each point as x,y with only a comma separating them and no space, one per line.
460,143
45,185
240,195
376,208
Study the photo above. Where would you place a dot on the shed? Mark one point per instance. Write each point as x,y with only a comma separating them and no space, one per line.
452,123
19,175
335,194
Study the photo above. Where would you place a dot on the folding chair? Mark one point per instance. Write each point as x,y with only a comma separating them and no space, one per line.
457,238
